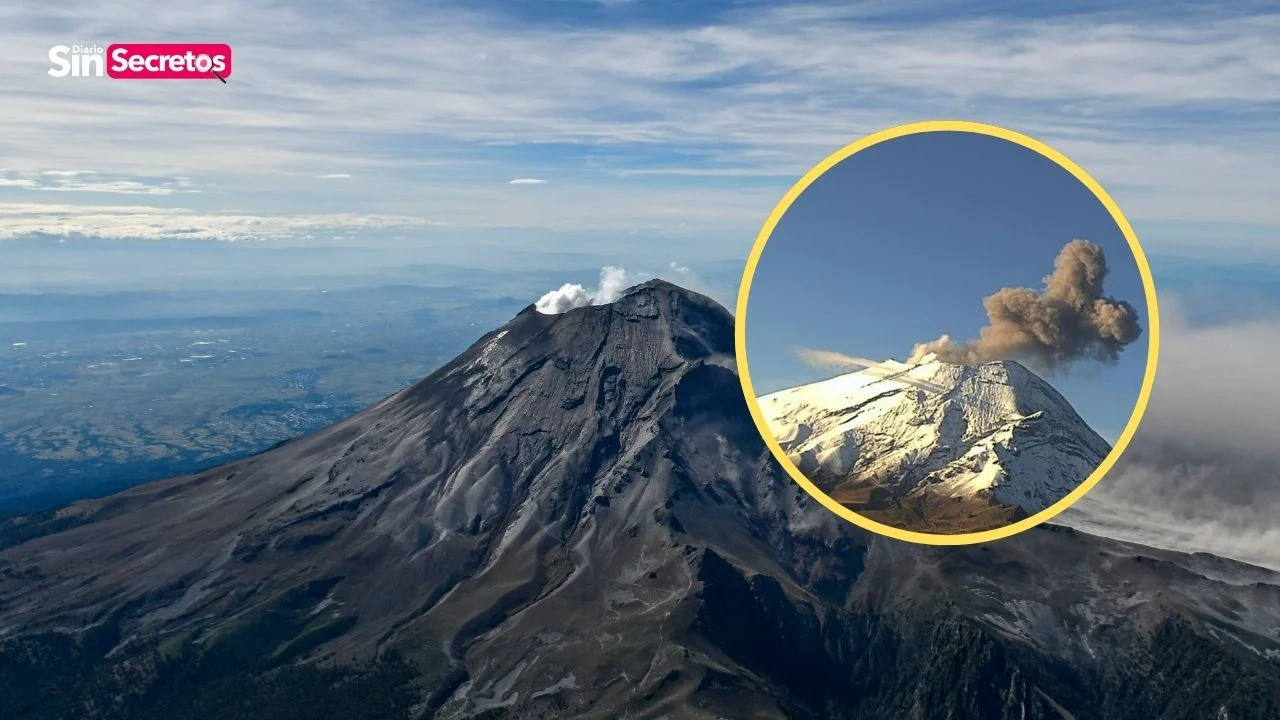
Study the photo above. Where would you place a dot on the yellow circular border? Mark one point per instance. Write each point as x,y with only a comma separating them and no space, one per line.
1153,341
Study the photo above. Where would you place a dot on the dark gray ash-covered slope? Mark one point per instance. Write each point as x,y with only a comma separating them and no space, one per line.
576,518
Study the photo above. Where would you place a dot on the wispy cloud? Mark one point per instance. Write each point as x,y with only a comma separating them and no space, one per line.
527,181
19,220
118,187
1169,107
94,182
334,176
830,359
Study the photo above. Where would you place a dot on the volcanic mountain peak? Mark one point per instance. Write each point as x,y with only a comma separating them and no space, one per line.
494,480
576,519
995,431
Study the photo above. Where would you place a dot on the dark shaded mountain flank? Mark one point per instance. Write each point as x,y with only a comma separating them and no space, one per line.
576,518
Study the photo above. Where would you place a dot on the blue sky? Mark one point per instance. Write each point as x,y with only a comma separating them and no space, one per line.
899,243
677,122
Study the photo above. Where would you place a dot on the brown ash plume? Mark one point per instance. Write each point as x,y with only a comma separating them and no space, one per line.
1069,320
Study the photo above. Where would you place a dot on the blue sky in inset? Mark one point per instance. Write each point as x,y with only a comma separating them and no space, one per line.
899,243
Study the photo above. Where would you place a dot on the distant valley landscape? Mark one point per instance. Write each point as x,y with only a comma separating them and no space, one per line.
99,392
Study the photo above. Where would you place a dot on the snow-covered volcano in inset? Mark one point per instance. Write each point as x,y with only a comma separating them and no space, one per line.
937,445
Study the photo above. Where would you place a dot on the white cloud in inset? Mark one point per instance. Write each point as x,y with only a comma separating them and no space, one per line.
334,176
827,359
527,181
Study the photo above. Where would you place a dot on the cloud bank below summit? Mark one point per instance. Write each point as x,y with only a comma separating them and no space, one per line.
1202,473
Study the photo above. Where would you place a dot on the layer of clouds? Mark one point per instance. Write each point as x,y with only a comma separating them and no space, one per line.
18,220
1138,99
94,182
613,281
653,213
1203,471
1068,321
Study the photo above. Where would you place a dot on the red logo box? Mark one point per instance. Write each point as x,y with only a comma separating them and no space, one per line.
168,61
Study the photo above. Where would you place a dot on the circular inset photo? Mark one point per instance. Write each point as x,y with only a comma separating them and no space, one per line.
947,332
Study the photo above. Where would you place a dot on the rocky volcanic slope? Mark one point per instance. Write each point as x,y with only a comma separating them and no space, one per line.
575,518
994,434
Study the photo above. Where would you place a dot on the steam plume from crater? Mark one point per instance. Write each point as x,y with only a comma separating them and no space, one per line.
613,282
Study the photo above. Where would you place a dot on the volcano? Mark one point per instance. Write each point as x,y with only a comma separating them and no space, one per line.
937,447
576,518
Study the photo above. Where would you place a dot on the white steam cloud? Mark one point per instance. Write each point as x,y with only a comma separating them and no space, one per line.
831,359
613,281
